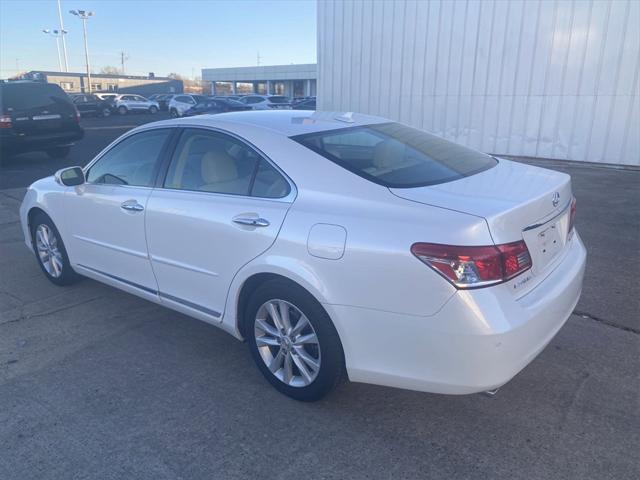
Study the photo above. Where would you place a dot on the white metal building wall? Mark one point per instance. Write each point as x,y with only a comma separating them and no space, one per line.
543,78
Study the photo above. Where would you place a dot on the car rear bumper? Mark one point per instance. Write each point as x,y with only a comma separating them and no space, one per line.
13,142
478,341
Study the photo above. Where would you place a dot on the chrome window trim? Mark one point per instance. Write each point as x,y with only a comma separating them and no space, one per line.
289,198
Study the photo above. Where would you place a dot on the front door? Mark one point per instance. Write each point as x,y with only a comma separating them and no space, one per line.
221,205
106,215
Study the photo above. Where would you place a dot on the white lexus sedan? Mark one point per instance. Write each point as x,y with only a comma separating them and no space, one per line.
332,243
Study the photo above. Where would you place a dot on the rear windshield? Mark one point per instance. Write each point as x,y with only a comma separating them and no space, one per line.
277,99
397,156
26,96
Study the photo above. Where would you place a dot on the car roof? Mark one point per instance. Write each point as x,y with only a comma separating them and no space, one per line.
288,123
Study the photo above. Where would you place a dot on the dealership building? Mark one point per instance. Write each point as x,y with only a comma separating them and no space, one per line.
79,82
537,78
289,80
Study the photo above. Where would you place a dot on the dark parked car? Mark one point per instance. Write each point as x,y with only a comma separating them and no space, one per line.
37,116
215,105
308,104
162,99
88,104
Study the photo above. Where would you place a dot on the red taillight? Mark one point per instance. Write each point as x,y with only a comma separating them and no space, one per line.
472,267
77,115
572,215
5,121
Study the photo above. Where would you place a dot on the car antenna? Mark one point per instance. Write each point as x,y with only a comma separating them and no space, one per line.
346,117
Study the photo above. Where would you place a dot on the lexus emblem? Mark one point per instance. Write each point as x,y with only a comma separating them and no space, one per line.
556,199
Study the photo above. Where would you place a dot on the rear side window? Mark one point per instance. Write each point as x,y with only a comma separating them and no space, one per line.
397,156
27,96
133,161
269,183
206,161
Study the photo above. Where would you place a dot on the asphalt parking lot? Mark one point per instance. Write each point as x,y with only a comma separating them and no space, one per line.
98,384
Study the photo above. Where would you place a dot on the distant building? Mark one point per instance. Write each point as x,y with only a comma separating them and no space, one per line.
289,80
78,82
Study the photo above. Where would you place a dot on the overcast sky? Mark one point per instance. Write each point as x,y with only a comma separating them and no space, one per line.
160,36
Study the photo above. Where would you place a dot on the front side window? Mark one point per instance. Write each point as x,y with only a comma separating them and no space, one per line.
206,161
133,161
397,156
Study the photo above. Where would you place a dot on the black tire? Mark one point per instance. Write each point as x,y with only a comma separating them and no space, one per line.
153,110
173,113
68,275
106,112
332,358
123,110
58,152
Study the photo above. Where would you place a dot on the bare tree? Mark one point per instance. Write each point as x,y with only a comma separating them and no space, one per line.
110,70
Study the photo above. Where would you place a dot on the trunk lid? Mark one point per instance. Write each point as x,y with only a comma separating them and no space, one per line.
518,202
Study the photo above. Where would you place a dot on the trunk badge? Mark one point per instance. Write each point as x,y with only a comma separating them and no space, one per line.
556,199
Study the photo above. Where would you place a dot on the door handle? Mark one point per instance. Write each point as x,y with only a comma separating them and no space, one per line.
131,206
252,222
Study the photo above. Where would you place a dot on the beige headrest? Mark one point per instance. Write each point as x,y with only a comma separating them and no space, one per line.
386,152
218,166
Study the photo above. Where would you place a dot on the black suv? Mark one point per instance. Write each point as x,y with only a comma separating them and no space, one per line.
37,116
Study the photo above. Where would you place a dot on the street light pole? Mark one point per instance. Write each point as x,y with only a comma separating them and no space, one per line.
64,43
84,16
57,34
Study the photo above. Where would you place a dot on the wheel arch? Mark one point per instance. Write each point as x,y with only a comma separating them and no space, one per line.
253,281
244,285
33,211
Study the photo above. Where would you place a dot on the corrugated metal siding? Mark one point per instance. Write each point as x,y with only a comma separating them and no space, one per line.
551,79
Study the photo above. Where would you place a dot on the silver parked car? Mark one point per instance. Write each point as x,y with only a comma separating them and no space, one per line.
266,102
128,102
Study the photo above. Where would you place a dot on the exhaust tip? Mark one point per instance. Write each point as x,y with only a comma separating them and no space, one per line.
491,393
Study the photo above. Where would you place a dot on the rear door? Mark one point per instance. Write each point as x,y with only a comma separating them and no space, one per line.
139,103
38,108
221,205
129,101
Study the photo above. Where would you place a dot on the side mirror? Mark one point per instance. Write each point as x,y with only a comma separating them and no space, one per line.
70,177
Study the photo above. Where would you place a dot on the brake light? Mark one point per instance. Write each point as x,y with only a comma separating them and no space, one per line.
572,215
5,121
473,267
77,115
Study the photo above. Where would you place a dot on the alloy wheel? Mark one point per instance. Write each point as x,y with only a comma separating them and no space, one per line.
48,251
287,343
